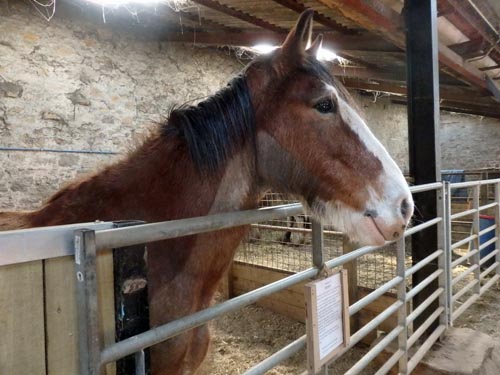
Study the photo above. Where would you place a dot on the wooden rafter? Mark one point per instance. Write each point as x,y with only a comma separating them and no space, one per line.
336,42
399,88
471,48
318,17
202,21
212,4
475,21
377,17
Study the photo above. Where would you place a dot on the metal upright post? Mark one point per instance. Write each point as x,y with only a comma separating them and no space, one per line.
475,259
443,263
448,256
140,363
403,336
497,223
89,341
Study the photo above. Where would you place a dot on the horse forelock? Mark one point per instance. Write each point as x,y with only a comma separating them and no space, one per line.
216,127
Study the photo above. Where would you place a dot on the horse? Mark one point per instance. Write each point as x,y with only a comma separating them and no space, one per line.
286,124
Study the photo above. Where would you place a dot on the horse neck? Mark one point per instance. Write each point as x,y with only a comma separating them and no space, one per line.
156,183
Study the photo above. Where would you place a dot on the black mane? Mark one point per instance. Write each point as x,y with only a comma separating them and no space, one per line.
216,127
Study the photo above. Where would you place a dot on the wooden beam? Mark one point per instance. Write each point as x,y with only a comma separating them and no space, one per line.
379,18
466,97
320,18
357,73
470,49
239,15
202,21
494,67
338,43
470,15
468,108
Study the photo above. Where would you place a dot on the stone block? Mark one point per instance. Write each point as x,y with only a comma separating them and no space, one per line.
11,89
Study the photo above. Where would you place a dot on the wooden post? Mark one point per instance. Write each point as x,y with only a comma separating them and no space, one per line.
352,280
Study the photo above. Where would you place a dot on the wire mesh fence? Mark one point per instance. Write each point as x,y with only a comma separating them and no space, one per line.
286,245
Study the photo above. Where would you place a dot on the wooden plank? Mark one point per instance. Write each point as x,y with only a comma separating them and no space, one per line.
377,17
106,297
264,275
60,310
22,329
285,309
286,296
61,313
291,302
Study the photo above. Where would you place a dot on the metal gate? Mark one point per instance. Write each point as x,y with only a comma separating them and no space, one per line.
450,293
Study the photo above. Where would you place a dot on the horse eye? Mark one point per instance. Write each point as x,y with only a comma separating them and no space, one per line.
325,106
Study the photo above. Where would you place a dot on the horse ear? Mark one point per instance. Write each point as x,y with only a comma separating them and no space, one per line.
299,37
315,46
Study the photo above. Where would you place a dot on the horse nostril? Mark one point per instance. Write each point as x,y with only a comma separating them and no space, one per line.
371,213
405,207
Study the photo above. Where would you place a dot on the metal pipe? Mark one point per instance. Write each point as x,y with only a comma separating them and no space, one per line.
139,234
278,357
464,274
488,243
166,331
459,185
374,323
489,256
486,230
464,241
424,348
448,257
423,306
374,352
292,229
420,331
402,311
421,286
25,149
463,258
486,206
410,271
465,306
386,367
372,296
425,187
488,270
140,363
458,215
492,281
464,290
420,227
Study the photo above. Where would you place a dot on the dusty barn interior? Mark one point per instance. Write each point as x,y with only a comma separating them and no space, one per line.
83,83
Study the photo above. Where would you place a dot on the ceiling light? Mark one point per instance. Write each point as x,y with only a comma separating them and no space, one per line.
263,49
326,55
118,3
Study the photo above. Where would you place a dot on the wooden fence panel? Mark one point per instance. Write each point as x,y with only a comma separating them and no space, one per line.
22,329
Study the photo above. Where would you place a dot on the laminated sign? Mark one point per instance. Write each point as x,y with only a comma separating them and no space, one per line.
327,309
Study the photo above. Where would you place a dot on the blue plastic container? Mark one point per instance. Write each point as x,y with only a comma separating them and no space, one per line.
486,221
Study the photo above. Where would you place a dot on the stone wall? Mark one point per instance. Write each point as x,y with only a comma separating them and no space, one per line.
467,142
75,85
68,85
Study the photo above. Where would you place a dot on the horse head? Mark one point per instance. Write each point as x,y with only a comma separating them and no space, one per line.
312,142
